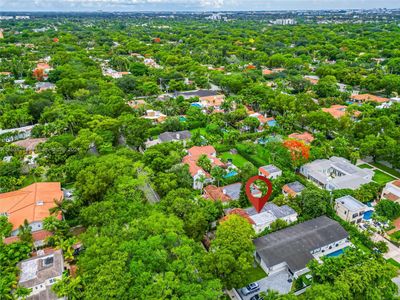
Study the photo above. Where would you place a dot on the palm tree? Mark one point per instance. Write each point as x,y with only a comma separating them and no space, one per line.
201,180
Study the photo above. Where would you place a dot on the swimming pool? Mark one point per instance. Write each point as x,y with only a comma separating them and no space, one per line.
336,253
231,174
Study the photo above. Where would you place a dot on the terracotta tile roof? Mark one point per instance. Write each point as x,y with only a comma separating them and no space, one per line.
31,203
37,236
195,153
215,193
264,172
213,100
391,197
396,183
338,111
369,97
305,136
289,191
240,212
43,66
193,167
30,144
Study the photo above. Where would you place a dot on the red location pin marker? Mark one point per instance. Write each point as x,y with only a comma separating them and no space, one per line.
258,203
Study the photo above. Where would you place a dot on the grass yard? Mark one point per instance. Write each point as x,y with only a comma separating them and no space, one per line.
365,166
393,262
30,179
255,274
381,177
237,159
386,169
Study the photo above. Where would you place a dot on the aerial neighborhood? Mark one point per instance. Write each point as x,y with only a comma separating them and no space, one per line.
133,145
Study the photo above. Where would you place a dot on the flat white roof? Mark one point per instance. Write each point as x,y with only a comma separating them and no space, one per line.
351,203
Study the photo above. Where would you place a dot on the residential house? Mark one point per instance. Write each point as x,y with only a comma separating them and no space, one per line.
31,203
137,103
292,248
198,174
179,136
43,86
13,134
392,191
224,194
268,72
350,209
270,171
312,79
292,189
362,98
45,67
155,116
339,111
39,273
263,121
336,173
269,214
305,137
6,74
151,63
29,144
113,73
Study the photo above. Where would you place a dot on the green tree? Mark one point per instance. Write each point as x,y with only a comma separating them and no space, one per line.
231,252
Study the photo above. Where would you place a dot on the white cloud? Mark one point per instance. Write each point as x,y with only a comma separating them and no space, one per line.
201,3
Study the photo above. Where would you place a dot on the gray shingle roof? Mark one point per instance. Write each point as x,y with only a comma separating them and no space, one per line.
233,190
277,211
296,186
175,136
37,270
294,244
198,93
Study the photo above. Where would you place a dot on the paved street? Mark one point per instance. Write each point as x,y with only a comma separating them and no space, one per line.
394,252
278,282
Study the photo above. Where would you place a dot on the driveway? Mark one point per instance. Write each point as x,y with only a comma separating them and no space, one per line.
277,281
393,252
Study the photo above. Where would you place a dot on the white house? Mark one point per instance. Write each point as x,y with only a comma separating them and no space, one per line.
336,173
269,214
292,248
350,209
270,171
392,191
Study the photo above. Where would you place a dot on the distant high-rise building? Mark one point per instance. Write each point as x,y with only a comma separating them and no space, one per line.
284,22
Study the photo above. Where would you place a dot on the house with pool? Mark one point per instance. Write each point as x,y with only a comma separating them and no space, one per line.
292,248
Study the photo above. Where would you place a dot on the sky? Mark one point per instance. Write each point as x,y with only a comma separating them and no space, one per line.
188,5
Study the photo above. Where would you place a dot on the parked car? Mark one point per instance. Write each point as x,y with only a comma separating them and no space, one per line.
257,297
251,288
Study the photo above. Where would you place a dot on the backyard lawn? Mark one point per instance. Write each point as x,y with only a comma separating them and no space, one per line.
365,166
386,169
237,159
381,177
393,262
255,274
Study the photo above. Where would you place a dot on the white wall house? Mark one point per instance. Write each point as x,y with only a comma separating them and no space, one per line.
350,209
336,173
292,248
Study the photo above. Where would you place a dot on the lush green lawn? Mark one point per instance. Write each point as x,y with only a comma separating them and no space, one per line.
381,177
237,159
365,166
393,262
255,274
386,169
28,180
